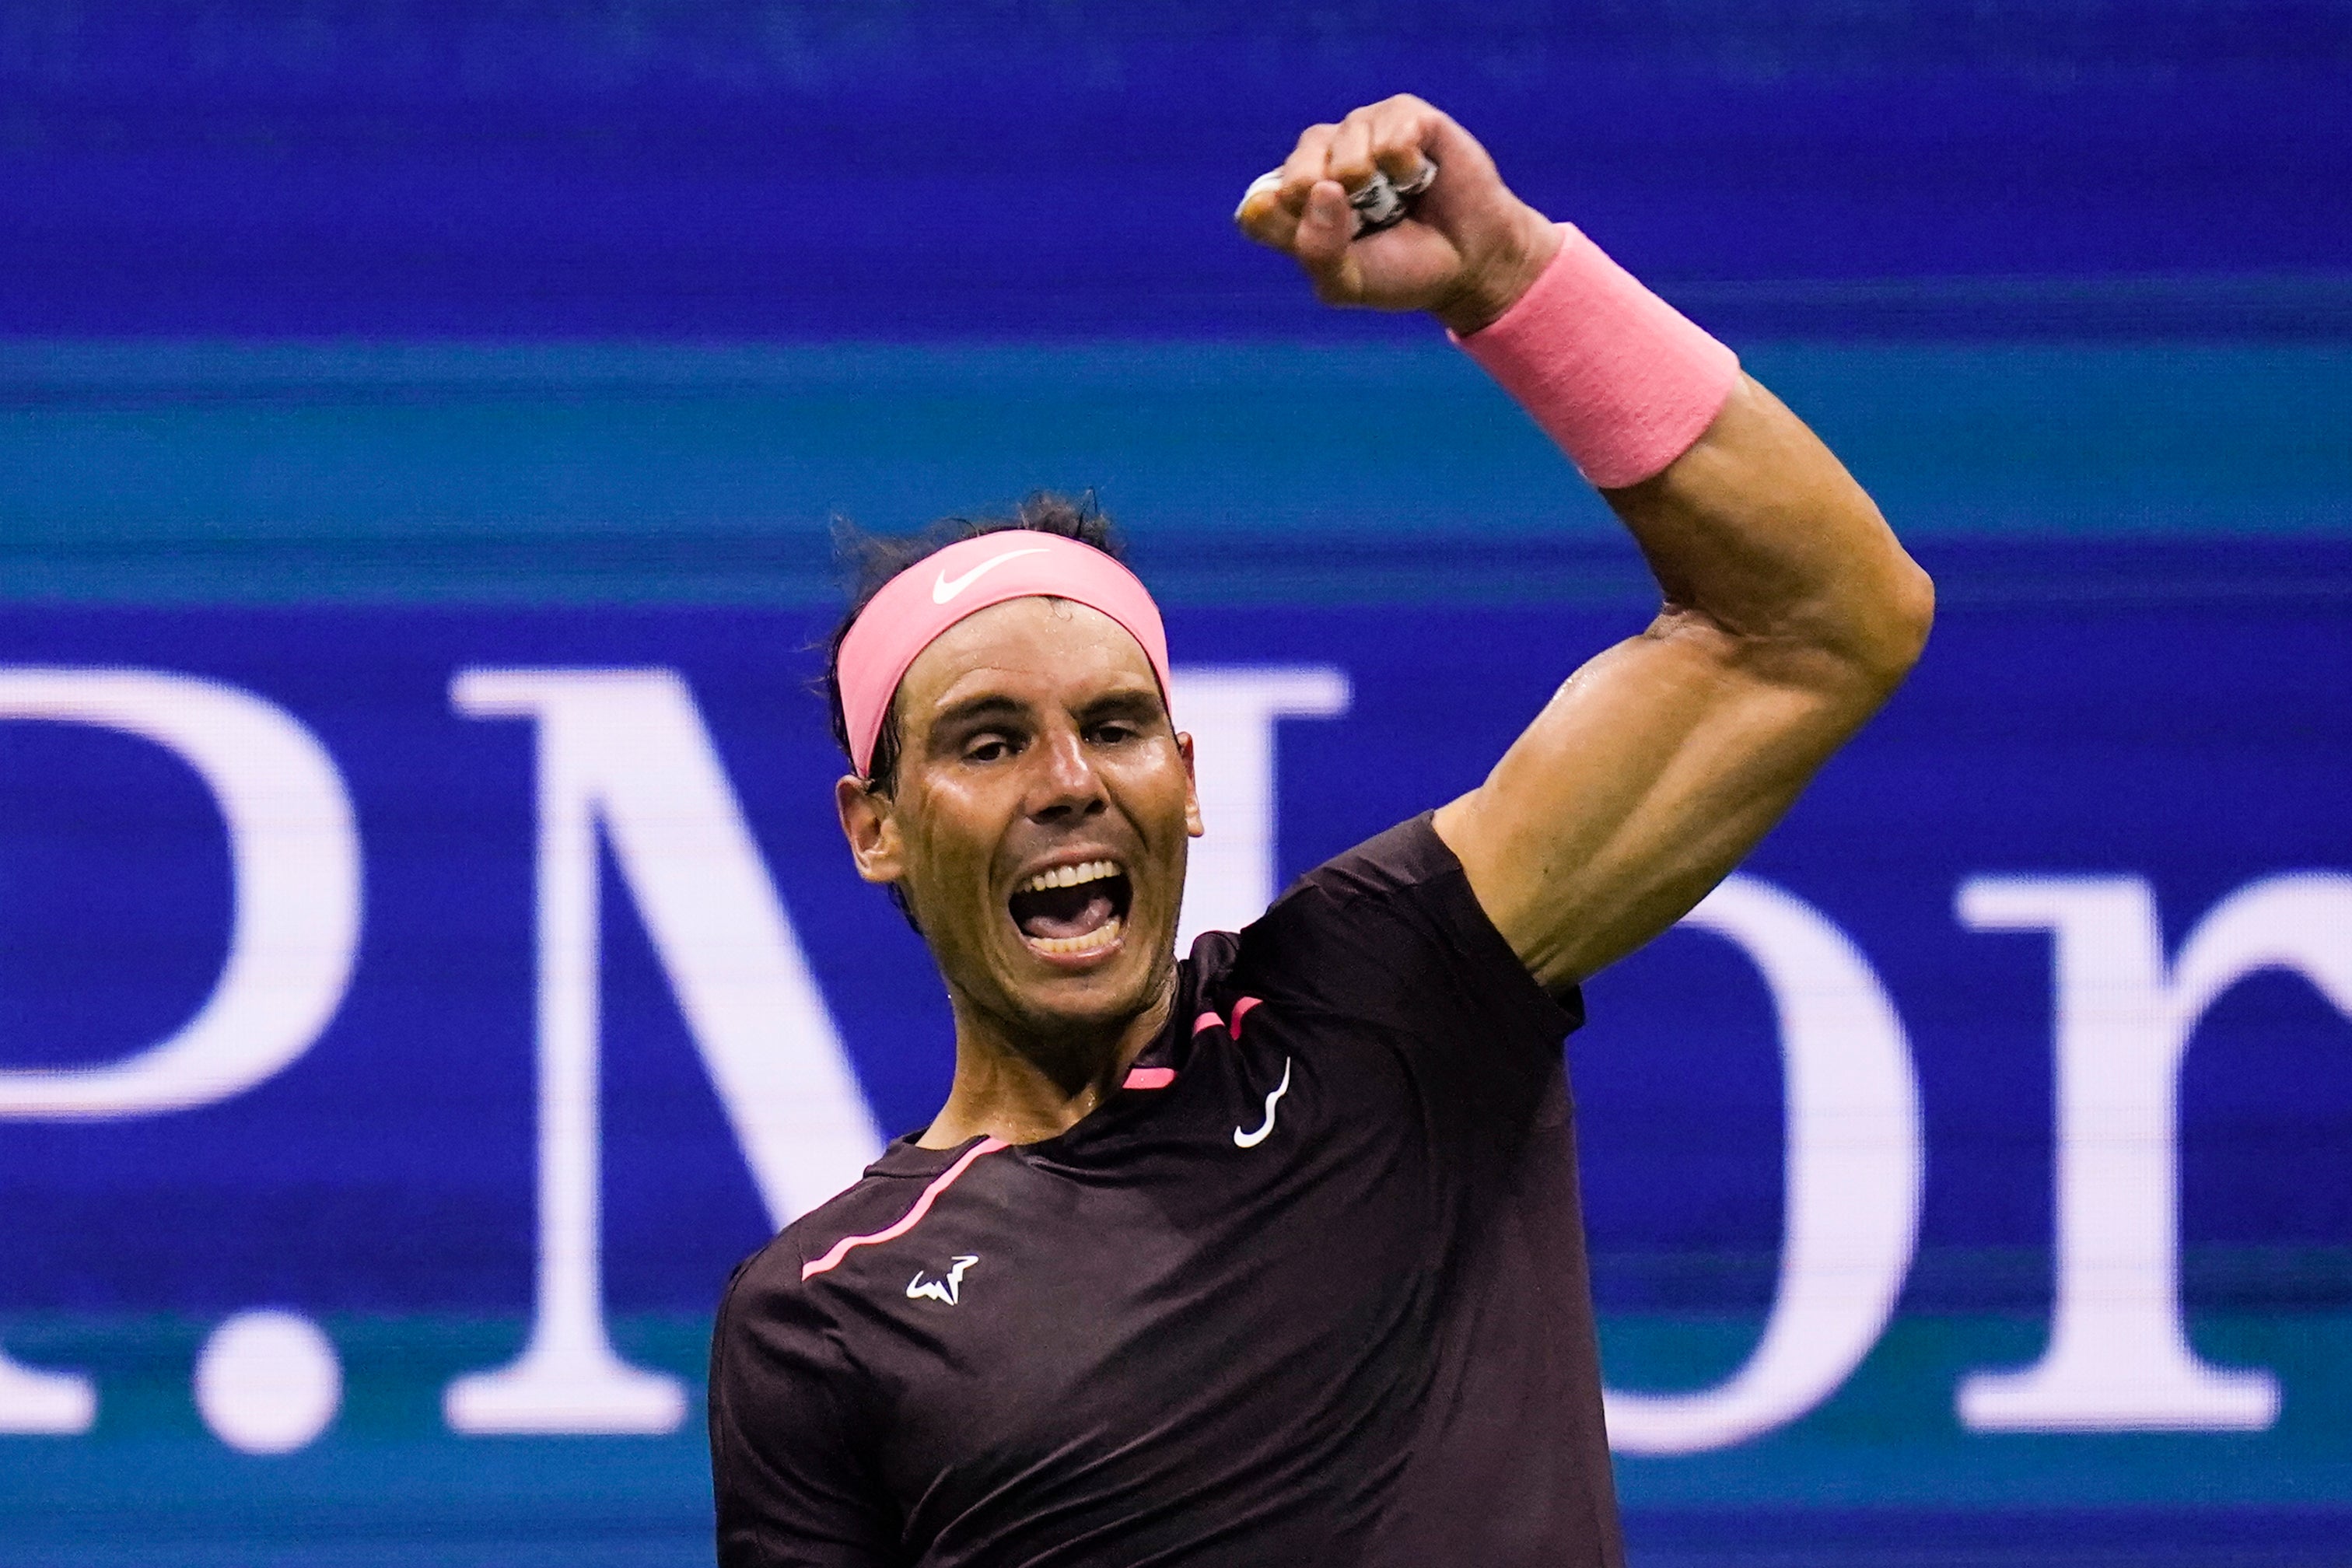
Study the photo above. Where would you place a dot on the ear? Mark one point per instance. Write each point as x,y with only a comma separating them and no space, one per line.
1193,823
870,823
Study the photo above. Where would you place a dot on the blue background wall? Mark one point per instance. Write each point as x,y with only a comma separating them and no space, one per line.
347,345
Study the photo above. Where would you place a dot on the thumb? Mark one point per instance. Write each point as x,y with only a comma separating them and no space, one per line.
1323,241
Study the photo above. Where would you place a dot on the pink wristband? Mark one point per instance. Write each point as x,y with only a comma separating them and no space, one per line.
1621,379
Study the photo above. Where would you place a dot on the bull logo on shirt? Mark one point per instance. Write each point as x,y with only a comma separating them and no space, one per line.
946,1290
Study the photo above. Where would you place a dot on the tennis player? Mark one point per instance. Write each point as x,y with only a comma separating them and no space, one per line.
1272,1254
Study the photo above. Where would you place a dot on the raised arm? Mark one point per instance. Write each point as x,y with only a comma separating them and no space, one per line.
1791,612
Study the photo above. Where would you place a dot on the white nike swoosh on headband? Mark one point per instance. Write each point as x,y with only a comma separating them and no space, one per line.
944,587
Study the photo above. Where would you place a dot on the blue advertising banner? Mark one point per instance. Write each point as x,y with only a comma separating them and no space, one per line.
412,1014
427,959
763,169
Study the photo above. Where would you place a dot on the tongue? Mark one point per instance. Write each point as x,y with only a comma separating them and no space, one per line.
1065,911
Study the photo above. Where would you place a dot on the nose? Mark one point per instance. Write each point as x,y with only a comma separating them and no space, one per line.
1065,783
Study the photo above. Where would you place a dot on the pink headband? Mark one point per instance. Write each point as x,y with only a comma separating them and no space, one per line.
914,607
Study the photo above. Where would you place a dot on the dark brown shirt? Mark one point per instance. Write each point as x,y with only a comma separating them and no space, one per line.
1312,1289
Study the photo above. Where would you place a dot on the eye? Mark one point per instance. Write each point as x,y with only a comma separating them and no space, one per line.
1110,732
988,747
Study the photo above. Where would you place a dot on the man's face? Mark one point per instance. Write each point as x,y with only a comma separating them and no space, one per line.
1038,826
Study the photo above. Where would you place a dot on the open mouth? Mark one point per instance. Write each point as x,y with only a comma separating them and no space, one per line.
1071,911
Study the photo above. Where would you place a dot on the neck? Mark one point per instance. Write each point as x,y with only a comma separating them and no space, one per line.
1025,1085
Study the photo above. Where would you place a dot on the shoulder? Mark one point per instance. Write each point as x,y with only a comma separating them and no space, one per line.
773,1286
790,1409
1408,858
1406,878
1392,927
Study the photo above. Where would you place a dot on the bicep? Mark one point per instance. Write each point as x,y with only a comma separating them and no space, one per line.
1644,780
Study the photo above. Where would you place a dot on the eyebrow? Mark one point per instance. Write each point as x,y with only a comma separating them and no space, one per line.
976,708
1133,702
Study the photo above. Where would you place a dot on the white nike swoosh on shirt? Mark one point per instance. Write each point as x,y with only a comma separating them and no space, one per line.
944,587
1252,1140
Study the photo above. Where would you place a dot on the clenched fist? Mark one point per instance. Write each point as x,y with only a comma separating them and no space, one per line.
1466,249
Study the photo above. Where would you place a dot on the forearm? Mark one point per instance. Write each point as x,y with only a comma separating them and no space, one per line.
1757,532
1754,530
1791,610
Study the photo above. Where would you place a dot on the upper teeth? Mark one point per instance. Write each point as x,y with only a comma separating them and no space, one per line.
1070,876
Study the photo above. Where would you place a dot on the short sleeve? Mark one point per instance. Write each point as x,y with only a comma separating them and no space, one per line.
793,1488
1389,937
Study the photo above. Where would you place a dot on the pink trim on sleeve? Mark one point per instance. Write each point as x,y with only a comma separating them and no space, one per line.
1623,382
911,1218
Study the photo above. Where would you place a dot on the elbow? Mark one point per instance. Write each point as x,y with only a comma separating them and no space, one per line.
1860,645
1892,631
1854,642
1916,609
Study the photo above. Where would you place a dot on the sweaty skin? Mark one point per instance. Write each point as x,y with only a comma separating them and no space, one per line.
1790,611
1034,737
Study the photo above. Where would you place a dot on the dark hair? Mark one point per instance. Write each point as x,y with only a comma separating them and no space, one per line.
873,559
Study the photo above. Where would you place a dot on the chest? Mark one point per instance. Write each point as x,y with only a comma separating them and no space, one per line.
1243,1273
